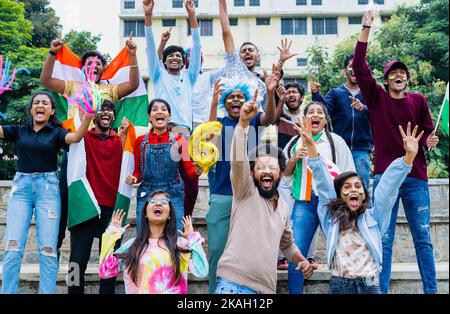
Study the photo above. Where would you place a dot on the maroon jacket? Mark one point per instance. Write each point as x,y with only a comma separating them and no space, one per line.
387,113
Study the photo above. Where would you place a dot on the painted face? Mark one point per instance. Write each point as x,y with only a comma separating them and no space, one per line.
351,78
98,71
397,80
41,109
249,54
318,118
105,118
266,176
159,115
352,193
158,209
174,61
293,98
234,102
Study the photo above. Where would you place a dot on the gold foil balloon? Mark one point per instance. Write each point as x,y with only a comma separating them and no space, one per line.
204,153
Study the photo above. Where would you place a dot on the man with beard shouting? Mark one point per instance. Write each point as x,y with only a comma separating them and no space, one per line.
104,158
260,224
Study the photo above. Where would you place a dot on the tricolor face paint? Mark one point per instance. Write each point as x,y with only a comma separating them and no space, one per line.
174,61
352,193
397,80
318,118
234,102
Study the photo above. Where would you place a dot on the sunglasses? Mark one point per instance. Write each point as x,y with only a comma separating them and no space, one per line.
162,201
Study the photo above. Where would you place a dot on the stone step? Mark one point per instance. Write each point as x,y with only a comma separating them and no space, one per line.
403,245
405,280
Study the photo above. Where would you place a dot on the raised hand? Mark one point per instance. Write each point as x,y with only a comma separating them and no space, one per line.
217,93
285,52
314,85
410,142
148,6
356,103
166,35
367,18
190,6
281,92
56,44
117,218
307,268
124,125
130,45
304,130
248,111
188,227
272,80
432,140
131,180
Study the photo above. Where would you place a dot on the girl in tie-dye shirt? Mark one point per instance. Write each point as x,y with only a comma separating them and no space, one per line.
157,260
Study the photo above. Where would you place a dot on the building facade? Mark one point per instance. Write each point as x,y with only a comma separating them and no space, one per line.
263,22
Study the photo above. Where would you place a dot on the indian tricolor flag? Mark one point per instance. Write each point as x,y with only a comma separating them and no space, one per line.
82,202
123,199
444,113
302,177
133,106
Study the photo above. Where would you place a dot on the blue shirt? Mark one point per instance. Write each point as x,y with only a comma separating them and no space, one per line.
176,90
349,123
222,184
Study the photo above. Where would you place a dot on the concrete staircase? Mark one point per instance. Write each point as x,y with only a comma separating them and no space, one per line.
405,274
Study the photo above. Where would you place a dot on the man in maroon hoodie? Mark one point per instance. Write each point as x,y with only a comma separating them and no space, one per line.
389,108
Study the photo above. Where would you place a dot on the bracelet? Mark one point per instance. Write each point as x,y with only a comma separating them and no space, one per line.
52,53
366,26
134,66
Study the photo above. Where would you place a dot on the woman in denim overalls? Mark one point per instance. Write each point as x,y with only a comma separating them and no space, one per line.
158,156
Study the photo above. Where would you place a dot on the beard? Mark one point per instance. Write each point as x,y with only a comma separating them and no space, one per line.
268,194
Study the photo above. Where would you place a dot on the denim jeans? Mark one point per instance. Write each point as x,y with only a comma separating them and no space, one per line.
368,285
304,225
361,159
38,193
225,286
415,197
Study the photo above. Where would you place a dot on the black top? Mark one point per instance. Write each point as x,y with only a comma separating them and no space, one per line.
36,151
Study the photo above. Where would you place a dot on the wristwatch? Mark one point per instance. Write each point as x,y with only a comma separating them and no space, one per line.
52,52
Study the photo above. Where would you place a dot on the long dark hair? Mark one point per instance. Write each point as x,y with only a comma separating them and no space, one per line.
339,211
140,244
326,129
52,120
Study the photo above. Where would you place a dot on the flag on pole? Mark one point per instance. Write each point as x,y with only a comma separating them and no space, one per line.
445,113
123,199
134,106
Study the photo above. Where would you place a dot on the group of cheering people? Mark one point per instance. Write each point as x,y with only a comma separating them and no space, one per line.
258,207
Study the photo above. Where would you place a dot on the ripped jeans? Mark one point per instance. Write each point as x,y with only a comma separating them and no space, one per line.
38,193
415,197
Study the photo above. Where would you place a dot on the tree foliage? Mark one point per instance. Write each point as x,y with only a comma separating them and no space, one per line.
416,35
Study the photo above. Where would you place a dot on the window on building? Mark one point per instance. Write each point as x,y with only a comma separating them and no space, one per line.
233,21
177,3
169,22
239,3
302,62
385,18
301,2
316,2
363,1
263,21
293,26
129,4
326,26
137,27
378,1
205,25
354,20
196,3
254,3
